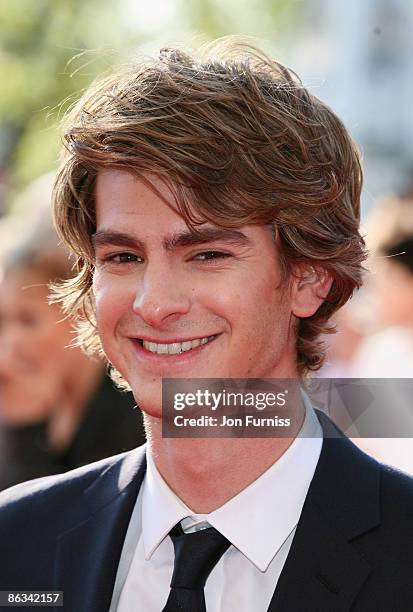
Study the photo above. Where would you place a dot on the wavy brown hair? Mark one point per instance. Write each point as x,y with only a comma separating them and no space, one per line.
239,140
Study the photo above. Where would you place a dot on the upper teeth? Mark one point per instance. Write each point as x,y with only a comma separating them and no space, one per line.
175,348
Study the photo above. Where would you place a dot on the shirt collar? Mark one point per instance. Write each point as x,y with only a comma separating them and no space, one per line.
161,508
259,519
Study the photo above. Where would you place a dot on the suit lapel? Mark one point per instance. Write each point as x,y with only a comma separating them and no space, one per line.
322,571
323,568
88,554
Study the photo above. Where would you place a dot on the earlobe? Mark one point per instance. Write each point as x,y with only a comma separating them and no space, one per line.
310,288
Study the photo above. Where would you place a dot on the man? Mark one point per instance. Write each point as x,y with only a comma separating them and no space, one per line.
213,205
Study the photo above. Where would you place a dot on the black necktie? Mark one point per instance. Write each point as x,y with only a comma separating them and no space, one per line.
196,554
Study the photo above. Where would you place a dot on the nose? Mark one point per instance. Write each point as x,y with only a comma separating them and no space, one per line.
162,297
10,352
11,340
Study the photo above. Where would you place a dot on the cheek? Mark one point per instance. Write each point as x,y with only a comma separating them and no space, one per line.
112,301
38,338
251,306
265,306
48,343
263,324
39,348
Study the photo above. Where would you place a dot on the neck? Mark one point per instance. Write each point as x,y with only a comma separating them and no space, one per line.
205,473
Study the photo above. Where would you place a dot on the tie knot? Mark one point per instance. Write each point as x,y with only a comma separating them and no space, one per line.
196,554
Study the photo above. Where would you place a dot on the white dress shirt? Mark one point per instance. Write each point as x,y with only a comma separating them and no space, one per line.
259,522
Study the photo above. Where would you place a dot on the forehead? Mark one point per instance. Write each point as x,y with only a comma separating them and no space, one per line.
129,209
119,193
22,287
125,202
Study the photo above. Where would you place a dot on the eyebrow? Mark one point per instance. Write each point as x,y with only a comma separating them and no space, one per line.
182,239
109,237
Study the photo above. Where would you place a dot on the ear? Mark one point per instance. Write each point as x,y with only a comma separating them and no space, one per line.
309,289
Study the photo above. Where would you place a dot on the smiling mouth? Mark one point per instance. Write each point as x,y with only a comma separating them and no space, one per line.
174,348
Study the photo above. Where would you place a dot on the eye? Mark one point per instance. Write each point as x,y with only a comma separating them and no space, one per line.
28,319
121,258
210,256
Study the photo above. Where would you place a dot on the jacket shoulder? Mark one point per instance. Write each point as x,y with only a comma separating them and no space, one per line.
396,493
36,514
389,545
41,497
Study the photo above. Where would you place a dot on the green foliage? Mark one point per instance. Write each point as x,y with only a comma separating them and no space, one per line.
50,50
39,74
266,19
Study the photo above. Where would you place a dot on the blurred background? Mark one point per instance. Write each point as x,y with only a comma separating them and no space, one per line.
357,56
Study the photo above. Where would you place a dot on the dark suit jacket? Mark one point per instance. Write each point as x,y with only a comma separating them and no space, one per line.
352,549
109,425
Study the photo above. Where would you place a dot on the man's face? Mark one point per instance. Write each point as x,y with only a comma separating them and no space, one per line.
159,288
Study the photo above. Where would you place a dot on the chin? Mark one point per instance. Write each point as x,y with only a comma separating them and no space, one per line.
148,398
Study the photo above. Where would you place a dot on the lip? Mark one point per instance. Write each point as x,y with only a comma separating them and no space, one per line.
154,359
170,340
